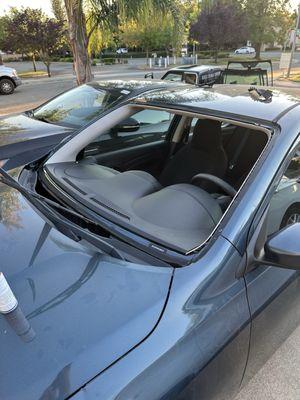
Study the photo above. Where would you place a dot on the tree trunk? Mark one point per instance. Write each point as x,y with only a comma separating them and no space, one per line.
257,48
33,62
1,59
147,56
48,69
79,41
216,55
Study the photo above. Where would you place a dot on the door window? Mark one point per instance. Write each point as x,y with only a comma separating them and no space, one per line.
144,127
173,76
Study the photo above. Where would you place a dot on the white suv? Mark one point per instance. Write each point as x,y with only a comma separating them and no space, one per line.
9,80
245,50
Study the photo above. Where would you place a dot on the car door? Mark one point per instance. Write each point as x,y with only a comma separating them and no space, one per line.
145,147
273,293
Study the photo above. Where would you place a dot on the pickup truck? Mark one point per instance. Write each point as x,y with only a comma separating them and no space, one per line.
9,80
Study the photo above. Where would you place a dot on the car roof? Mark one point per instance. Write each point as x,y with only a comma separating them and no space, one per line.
195,68
224,99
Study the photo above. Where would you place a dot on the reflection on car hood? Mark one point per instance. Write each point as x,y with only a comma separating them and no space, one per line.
86,309
18,128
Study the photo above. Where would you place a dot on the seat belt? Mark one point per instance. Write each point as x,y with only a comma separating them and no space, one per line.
174,144
239,149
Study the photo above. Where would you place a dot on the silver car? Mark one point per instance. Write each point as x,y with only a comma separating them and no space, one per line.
9,80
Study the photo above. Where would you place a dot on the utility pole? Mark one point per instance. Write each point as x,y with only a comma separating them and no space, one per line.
294,43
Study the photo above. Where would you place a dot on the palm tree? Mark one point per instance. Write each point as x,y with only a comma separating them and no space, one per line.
103,12
78,40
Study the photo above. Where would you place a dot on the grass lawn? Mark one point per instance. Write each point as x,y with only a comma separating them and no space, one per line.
32,74
295,77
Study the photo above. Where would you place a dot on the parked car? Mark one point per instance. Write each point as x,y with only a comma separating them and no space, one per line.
138,259
250,72
193,74
41,129
9,80
245,50
122,50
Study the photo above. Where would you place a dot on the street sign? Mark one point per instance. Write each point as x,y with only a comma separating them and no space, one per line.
285,60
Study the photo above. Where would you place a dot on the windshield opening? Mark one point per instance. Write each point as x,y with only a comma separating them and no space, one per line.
141,174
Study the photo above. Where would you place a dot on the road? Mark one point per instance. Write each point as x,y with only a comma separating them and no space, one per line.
279,378
38,90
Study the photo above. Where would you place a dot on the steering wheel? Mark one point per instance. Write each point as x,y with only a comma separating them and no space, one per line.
228,189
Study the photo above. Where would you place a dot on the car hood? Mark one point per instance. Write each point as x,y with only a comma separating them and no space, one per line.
85,309
20,127
24,139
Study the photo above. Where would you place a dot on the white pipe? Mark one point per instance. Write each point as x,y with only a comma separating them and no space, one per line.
8,302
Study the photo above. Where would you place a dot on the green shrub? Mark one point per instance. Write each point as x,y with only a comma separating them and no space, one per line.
223,54
66,59
109,61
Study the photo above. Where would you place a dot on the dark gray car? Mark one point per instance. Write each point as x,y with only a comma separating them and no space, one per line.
155,264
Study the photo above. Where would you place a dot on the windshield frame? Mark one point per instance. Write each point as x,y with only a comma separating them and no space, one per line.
128,109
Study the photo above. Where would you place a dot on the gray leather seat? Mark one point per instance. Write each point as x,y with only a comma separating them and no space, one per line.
204,153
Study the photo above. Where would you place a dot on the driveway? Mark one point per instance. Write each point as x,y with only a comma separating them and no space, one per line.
279,377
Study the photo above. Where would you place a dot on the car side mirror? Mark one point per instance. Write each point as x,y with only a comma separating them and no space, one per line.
282,249
149,75
128,125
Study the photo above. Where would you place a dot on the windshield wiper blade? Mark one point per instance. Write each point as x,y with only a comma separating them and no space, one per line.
62,224
42,119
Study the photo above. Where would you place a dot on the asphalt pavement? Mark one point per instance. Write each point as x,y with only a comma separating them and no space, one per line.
35,91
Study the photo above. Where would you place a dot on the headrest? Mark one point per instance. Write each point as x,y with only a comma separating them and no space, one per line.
207,135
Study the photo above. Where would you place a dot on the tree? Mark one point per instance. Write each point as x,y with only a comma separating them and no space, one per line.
58,10
29,31
221,24
264,20
49,39
18,37
151,30
78,40
2,36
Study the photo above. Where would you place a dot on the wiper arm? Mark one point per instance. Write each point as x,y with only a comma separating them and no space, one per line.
62,224
42,119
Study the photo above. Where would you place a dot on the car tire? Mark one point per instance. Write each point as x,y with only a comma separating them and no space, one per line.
6,86
291,216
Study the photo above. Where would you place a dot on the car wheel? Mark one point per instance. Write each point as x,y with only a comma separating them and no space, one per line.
6,86
292,216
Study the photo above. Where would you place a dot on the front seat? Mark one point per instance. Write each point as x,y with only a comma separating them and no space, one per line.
204,154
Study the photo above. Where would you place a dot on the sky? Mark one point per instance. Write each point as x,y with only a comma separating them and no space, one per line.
45,4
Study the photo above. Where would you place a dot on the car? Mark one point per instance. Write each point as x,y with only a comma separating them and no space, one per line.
42,128
245,50
9,80
122,50
250,72
193,74
149,256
